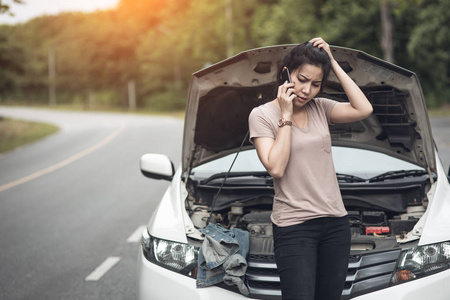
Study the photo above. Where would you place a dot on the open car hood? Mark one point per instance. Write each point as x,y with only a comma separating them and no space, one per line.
222,96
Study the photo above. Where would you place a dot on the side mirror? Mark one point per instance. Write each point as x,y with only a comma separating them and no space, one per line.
157,166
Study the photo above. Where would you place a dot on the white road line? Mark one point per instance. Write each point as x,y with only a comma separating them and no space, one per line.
135,237
64,162
103,268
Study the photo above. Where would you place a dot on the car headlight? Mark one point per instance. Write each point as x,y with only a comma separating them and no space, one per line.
178,257
422,261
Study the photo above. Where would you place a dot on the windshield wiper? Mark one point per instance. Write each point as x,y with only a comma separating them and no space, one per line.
398,174
349,178
234,174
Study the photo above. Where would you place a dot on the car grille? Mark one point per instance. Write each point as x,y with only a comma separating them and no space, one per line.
366,273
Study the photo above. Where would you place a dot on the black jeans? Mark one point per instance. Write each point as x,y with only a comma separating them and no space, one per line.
312,258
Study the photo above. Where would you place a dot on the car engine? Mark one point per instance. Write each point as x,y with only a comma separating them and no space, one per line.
378,214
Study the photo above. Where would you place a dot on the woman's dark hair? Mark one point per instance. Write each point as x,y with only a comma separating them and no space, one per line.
306,53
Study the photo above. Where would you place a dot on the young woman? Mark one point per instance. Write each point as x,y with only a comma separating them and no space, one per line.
292,139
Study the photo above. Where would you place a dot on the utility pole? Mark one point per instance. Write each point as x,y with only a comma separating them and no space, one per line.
131,95
51,77
229,21
387,25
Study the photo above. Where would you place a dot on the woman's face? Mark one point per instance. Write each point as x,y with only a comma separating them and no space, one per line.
308,80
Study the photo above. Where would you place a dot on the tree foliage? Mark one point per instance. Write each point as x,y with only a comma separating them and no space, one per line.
429,49
158,44
5,6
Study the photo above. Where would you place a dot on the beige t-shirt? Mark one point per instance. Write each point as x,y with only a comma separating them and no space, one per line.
309,187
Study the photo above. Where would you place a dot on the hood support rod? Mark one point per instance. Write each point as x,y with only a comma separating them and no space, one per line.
226,176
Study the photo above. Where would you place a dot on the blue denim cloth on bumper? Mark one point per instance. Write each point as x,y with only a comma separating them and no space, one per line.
222,257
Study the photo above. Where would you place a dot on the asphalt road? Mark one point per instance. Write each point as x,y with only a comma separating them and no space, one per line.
75,201
441,133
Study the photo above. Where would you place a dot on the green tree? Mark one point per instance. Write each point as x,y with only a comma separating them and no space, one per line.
5,6
287,21
429,48
11,58
353,24
159,43
182,42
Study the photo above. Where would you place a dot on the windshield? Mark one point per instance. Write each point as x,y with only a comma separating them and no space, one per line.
357,162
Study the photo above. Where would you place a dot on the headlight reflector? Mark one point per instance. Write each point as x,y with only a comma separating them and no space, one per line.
421,261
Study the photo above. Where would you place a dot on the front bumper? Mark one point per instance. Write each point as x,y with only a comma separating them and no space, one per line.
157,283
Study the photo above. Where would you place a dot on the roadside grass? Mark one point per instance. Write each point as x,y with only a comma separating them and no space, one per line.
138,111
443,111
15,133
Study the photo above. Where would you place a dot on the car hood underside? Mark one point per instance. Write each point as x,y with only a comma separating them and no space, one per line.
222,96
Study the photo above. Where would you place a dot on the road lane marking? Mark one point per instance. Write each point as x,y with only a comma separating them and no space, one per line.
136,236
65,162
103,268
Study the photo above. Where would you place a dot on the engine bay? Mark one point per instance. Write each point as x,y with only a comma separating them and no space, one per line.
379,213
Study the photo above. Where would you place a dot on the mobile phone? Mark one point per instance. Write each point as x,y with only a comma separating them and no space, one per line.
285,75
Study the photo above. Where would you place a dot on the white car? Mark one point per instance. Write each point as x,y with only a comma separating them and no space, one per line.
392,183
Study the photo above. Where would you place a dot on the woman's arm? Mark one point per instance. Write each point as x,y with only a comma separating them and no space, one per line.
359,107
274,153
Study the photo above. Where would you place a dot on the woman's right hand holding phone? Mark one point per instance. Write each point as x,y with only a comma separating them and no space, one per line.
285,98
